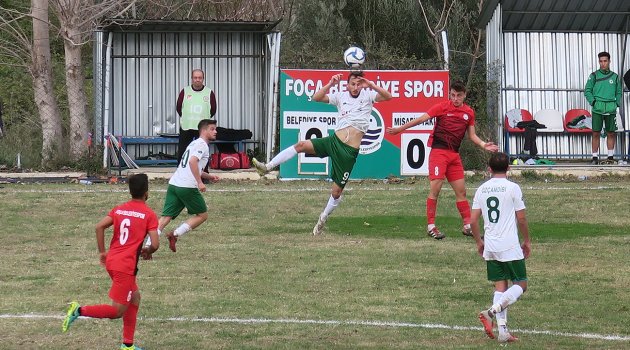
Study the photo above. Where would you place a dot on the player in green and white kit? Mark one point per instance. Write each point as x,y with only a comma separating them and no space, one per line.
185,186
500,202
355,107
603,92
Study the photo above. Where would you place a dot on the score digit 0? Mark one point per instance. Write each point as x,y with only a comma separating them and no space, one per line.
414,154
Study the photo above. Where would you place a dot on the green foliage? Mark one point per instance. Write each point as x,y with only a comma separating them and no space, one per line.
21,116
316,32
319,26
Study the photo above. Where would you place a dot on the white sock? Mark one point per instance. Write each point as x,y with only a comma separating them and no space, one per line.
183,228
430,227
148,243
331,205
501,316
282,157
610,153
508,298
595,154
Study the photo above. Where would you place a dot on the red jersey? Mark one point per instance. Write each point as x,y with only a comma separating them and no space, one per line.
132,222
451,124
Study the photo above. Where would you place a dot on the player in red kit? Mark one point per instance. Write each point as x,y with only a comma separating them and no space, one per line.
452,119
132,222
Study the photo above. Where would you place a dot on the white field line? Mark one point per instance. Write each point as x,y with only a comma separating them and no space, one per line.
309,189
341,323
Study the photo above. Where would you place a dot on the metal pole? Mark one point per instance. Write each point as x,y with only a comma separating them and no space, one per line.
622,108
445,44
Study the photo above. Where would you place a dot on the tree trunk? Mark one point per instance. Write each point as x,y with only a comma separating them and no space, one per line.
41,71
77,100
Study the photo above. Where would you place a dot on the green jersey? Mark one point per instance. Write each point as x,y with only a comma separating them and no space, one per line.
195,107
603,91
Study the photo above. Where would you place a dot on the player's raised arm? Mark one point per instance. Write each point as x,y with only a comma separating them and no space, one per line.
321,94
383,95
421,119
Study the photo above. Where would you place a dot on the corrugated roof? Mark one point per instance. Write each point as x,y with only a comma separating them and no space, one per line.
560,15
128,25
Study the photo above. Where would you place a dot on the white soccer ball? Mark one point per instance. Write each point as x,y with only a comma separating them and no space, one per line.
354,56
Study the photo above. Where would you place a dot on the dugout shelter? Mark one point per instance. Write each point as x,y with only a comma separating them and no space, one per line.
540,54
140,67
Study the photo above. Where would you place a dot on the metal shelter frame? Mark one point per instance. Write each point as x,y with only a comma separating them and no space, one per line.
524,37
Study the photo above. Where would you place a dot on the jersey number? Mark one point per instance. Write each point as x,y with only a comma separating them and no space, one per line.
184,161
196,109
493,209
124,231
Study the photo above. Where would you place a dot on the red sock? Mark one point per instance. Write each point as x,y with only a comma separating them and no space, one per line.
464,211
431,209
129,323
99,311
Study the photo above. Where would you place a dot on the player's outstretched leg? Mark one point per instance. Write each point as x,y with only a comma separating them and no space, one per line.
486,318
319,227
71,316
261,167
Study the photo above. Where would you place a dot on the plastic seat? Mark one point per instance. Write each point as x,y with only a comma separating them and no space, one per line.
512,117
551,118
572,114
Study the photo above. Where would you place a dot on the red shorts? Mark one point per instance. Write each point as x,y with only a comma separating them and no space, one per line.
445,163
123,285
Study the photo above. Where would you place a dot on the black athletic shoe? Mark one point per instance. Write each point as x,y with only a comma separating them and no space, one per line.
435,233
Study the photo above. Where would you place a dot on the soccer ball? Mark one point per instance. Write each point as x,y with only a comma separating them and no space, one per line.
354,56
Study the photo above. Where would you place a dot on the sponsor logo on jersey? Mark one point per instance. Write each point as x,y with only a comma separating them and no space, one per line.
373,138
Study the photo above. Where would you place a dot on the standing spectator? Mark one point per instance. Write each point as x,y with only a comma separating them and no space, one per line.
500,203
185,187
453,119
194,103
354,107
603,93
132,222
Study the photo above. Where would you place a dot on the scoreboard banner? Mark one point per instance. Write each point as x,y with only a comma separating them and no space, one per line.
381,155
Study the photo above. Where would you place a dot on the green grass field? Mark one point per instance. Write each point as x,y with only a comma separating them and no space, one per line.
253,277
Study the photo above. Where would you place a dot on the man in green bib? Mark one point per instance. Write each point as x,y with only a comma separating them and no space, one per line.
194,103
603,93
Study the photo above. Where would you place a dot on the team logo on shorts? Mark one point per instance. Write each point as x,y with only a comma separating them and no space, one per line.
373,138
